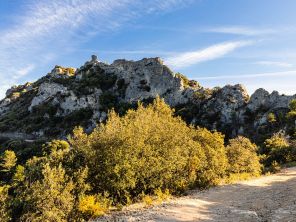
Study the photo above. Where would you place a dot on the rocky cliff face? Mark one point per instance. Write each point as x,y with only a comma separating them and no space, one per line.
67,97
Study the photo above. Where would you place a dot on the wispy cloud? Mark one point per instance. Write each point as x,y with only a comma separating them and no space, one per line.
135,52
213,52
46,29
160,5
275,63
241,30
233,30
49,18
243,76
24,71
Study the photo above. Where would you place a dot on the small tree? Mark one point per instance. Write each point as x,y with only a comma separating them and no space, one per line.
142,151
271,118
216,160
19,175
292,105
277,148
4,204
292,113
277,142
8,160
242,156
49,199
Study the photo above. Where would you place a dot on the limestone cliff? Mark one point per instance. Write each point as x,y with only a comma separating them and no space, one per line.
67,97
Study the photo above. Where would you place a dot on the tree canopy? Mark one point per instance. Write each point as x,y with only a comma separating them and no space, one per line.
148,151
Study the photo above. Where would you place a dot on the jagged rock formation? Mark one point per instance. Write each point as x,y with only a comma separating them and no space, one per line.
67,97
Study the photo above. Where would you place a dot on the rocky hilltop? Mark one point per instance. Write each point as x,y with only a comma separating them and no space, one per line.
67,97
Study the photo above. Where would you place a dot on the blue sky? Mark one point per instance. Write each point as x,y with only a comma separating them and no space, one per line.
213,41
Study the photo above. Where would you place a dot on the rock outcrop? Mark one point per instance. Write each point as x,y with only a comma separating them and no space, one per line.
261,98
83,96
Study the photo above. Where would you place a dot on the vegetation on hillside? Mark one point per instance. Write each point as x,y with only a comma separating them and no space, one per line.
146,152
186,82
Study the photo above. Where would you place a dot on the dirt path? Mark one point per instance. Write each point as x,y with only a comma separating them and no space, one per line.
269,198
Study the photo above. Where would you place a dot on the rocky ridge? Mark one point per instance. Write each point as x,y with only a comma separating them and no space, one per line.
67,97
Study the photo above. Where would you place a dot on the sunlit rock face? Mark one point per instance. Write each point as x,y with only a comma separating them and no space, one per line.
262,98
148,78
46,91
96,87
228,101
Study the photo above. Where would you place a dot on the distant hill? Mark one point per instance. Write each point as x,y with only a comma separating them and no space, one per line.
66,97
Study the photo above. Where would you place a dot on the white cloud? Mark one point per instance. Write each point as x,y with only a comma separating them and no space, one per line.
213,52
241,30
160,5
55,18
141,52
275,63
24,71
255,75
46,29
56,21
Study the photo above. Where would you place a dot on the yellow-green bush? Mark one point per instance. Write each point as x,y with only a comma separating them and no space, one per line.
271,118
276,142
8,160
94,205
4,204
278,149
147,200
162,195
48,199
216,162
292,113
140,156
242,156
148,149
275,167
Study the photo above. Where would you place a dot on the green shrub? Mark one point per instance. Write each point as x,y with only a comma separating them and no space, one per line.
291,119
142,151
94,79
275,167
94,205
184,79
216,160
107,101
48,188
5,203
162,195
8,160
50,198
148,200
147,153
271,118
277,149
242,156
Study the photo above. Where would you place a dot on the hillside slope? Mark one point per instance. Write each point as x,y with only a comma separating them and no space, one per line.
66,97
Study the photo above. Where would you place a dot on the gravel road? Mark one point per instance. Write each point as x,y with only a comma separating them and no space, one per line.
268,198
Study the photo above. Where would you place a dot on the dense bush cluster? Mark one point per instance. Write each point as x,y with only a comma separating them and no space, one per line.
279,149
146,152
242,156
